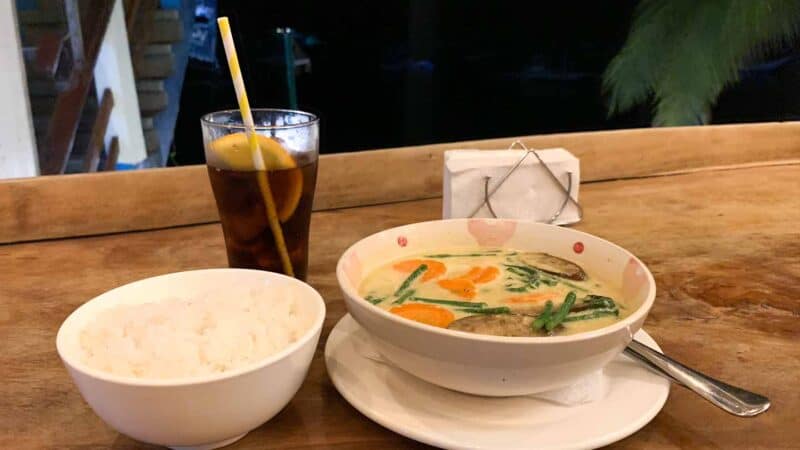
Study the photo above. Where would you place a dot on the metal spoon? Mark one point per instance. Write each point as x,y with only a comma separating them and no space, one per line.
732,399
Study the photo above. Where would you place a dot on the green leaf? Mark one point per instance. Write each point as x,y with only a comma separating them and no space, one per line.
681,54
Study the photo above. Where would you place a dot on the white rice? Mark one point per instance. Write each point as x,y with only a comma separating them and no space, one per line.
175,338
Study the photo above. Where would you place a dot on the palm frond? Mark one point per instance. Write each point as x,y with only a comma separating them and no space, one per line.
631,74
681,54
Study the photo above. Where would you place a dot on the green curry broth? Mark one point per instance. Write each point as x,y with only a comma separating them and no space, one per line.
507,289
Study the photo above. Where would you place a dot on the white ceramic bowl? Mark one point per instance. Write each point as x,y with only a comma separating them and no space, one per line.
495,365
197,412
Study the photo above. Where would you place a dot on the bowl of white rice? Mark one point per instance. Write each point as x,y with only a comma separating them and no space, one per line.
193,359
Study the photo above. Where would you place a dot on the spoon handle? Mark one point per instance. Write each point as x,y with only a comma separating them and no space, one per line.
732,399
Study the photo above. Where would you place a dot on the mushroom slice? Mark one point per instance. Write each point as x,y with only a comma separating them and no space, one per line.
495,324
554,265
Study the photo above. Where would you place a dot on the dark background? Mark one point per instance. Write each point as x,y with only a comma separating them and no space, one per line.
396,73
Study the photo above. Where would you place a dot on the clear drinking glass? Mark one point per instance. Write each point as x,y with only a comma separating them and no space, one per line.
289,142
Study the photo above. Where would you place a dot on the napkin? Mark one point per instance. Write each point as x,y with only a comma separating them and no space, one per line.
527,193
587,389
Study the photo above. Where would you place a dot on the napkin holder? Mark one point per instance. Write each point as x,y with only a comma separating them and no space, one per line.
518,183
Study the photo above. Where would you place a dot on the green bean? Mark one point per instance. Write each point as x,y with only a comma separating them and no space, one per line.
406,295
374,300
596,299
562,312
451,302
536,275
592,315
517,289
527,269
550,280
542,318
520,272
572,285
522,280
595,302
414,275
497,310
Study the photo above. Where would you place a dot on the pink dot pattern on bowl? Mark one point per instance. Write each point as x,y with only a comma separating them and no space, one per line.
402,241
577,247
353,269
634,279
491,233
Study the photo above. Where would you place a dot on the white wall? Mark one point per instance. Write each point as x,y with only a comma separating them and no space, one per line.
114,70
18,157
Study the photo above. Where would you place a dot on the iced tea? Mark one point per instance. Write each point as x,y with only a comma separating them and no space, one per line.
242,204
248,237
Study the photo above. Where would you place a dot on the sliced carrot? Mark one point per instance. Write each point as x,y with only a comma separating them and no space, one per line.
435,268
459,286
536,297
480,274
487,274
408,265
429,314
473,273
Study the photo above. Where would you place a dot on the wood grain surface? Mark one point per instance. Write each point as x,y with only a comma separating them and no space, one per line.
724,247
156,198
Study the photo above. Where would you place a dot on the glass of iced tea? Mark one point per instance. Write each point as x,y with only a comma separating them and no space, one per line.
289,142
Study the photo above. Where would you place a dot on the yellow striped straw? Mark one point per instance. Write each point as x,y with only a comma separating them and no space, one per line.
255,150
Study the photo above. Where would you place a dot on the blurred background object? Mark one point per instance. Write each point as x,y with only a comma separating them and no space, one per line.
99,74
385,74
680,55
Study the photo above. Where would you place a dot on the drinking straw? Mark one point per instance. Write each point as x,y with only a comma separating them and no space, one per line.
255,150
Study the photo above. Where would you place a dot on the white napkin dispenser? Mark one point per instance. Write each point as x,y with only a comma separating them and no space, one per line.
526,192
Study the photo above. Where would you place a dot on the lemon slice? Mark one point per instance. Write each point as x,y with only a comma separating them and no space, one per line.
232,152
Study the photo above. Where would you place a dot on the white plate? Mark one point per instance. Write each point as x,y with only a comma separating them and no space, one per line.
449,419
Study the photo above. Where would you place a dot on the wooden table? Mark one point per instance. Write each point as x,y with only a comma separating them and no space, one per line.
713,211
